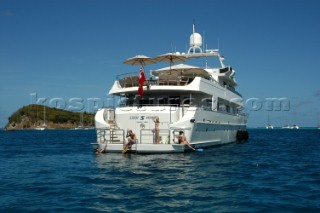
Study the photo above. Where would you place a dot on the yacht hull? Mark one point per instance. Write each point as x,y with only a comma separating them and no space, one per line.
203,129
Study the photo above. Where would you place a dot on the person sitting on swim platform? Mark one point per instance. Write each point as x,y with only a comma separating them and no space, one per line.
131,139
183,140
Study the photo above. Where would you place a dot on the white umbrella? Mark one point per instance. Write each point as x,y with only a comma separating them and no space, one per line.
171,58
140,60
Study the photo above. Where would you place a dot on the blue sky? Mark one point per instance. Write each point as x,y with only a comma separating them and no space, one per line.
74,49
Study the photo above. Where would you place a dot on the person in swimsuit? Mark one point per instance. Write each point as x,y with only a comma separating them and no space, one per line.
131,140
156,129
101,150
183,140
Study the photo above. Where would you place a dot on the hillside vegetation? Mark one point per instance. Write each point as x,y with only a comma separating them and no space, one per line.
31,116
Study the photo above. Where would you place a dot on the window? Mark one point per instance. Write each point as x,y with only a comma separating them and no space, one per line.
174,100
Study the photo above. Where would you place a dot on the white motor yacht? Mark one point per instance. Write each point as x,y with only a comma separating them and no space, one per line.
198,102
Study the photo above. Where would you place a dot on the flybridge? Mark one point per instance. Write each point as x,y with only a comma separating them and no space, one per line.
208,53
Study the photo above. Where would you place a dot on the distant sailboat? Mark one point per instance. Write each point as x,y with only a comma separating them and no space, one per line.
294,126
43,126
286,126
269,126
81,125
81,122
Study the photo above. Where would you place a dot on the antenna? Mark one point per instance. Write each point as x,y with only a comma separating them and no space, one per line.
204,42
193,31
193,25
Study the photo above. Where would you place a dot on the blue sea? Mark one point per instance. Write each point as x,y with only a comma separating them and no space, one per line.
57,171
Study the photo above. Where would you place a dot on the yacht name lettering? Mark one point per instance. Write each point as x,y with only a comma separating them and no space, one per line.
141,117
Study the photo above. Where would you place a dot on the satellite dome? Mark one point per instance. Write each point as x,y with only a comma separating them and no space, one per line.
195,40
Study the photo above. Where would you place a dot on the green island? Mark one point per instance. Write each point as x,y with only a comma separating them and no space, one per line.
32,116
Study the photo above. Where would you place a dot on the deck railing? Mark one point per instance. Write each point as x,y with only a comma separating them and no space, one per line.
145,136
131,80
110,136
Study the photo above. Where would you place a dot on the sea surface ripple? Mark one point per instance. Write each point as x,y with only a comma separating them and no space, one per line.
57,171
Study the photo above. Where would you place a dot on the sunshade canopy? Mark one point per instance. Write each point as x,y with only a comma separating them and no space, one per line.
171,57
140,60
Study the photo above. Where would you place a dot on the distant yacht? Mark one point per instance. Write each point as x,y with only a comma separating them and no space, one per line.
43,126
290,127
286,127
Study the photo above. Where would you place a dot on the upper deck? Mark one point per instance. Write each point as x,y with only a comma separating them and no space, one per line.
181,78
177,77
